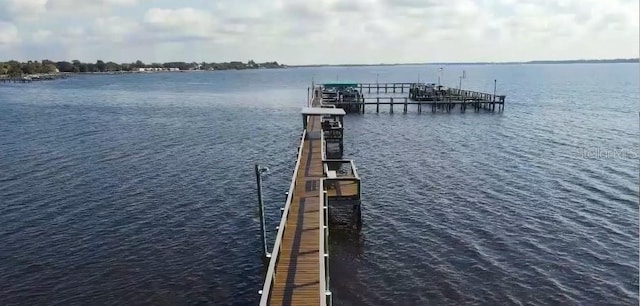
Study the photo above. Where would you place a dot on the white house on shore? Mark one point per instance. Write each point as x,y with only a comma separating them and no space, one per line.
155,69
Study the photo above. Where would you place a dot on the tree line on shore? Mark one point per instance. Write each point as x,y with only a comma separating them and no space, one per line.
15,68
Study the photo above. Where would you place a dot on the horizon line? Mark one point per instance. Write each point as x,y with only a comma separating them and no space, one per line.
600,60
620,59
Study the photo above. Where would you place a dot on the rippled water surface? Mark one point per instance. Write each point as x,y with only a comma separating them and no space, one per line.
139,189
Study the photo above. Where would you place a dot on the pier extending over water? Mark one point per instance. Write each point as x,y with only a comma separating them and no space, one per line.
355,97
298,270
325,186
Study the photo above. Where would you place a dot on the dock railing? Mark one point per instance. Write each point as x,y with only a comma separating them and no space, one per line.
270,277
323,146
325,293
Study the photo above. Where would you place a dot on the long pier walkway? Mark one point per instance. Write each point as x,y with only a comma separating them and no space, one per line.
296,269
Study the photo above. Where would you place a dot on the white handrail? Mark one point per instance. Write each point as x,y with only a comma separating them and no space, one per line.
323,150
323,280
354,169
266,289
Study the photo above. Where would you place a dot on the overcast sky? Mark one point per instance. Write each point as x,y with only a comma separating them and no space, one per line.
319,31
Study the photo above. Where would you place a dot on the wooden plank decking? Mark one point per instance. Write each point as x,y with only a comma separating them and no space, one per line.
297,280
342,189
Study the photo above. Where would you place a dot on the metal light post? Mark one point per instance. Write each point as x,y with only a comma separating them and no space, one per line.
463,76
313,86
259,171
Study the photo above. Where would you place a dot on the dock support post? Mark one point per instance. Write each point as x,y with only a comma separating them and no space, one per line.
394,87
405,105
386,85
259,171
378,105
391,105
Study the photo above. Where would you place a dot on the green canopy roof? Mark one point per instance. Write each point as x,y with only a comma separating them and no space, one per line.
340,84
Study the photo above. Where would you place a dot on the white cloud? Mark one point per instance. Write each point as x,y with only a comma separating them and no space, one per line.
115,29
331,31
41,35
85,4
21,9
8,33
187,23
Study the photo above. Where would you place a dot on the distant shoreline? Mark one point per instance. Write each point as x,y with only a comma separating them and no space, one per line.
61,75
57,75
550,62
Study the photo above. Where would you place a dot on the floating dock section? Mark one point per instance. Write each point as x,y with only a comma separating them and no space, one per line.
298,270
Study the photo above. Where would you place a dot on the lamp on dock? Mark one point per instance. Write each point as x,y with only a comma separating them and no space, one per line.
463,76
259,171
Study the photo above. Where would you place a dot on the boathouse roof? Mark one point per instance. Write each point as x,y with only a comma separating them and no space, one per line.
323,111
340,84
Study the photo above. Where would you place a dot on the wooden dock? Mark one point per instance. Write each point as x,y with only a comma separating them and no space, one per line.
356,97
298,272
324,185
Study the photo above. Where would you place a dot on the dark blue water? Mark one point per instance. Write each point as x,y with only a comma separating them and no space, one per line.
139,189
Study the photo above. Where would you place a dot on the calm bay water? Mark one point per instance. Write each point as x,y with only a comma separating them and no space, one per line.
139,189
